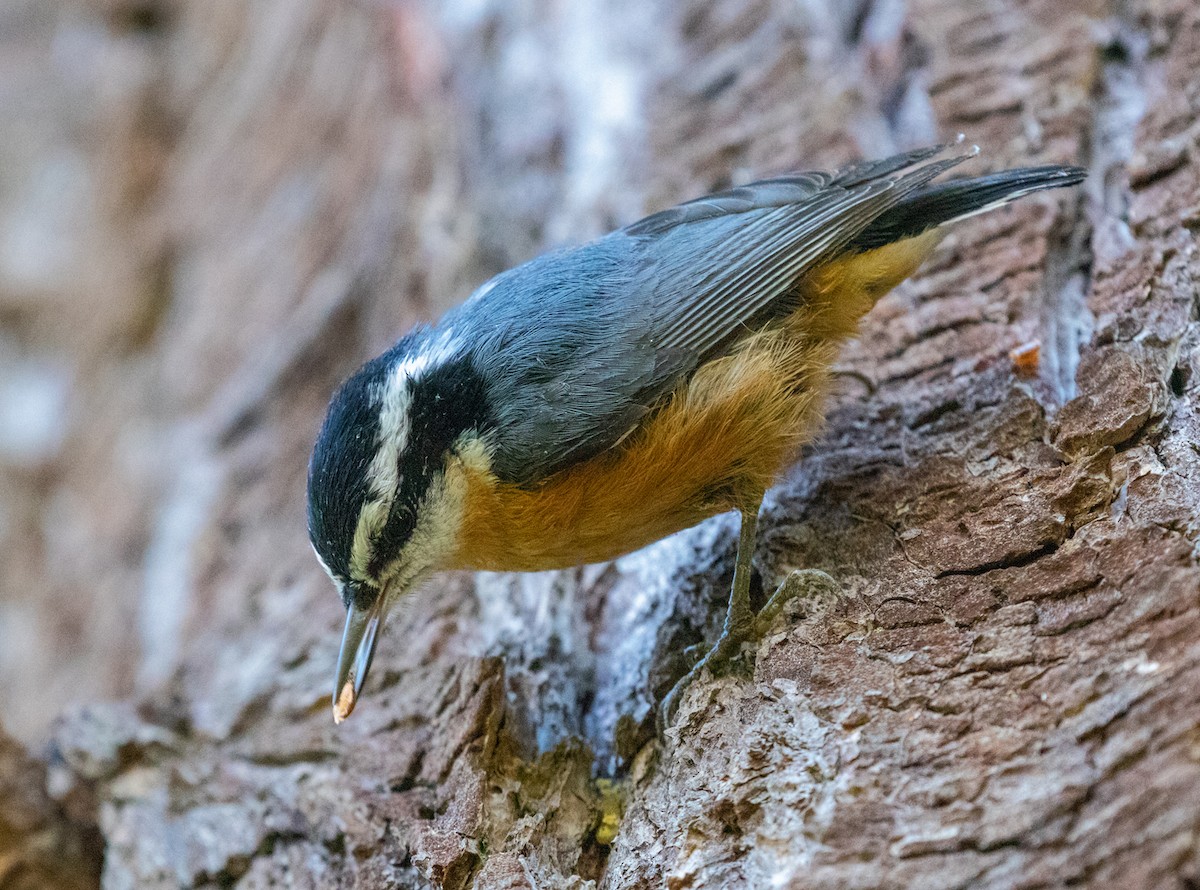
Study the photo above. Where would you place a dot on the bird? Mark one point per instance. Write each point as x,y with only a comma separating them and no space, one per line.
598,398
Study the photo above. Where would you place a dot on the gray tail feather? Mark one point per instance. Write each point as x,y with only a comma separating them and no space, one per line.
943,202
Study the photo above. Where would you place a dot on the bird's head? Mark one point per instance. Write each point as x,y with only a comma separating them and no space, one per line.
381,513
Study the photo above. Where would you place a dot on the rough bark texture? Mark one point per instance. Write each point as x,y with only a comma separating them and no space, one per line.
210,211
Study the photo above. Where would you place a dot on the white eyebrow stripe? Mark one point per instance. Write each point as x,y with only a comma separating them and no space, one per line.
434,352
394,399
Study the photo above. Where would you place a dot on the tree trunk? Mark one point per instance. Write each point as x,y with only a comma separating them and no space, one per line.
216,209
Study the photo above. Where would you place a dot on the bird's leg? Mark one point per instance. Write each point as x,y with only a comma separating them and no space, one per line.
741,623
739,620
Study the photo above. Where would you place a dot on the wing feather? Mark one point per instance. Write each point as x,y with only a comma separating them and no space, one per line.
578,346
709,286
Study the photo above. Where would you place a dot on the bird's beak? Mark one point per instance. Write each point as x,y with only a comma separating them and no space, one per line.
354,659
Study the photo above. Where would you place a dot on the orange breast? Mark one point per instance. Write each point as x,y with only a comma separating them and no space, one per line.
716,444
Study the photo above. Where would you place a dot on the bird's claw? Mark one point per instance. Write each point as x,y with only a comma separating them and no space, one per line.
816,588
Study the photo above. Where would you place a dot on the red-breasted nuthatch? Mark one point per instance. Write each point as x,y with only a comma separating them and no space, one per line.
594,400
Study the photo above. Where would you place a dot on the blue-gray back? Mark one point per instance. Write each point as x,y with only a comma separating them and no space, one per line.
579,345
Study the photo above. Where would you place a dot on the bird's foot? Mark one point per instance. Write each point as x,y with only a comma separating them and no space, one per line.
816,588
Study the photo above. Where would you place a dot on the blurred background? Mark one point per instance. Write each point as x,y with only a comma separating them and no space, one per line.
209,211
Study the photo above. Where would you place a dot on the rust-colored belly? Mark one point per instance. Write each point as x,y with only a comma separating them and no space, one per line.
716,445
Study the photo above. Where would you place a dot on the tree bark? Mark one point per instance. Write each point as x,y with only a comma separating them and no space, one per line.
1006,693
41,844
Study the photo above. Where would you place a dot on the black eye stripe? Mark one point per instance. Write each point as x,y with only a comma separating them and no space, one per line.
401,522
445,401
